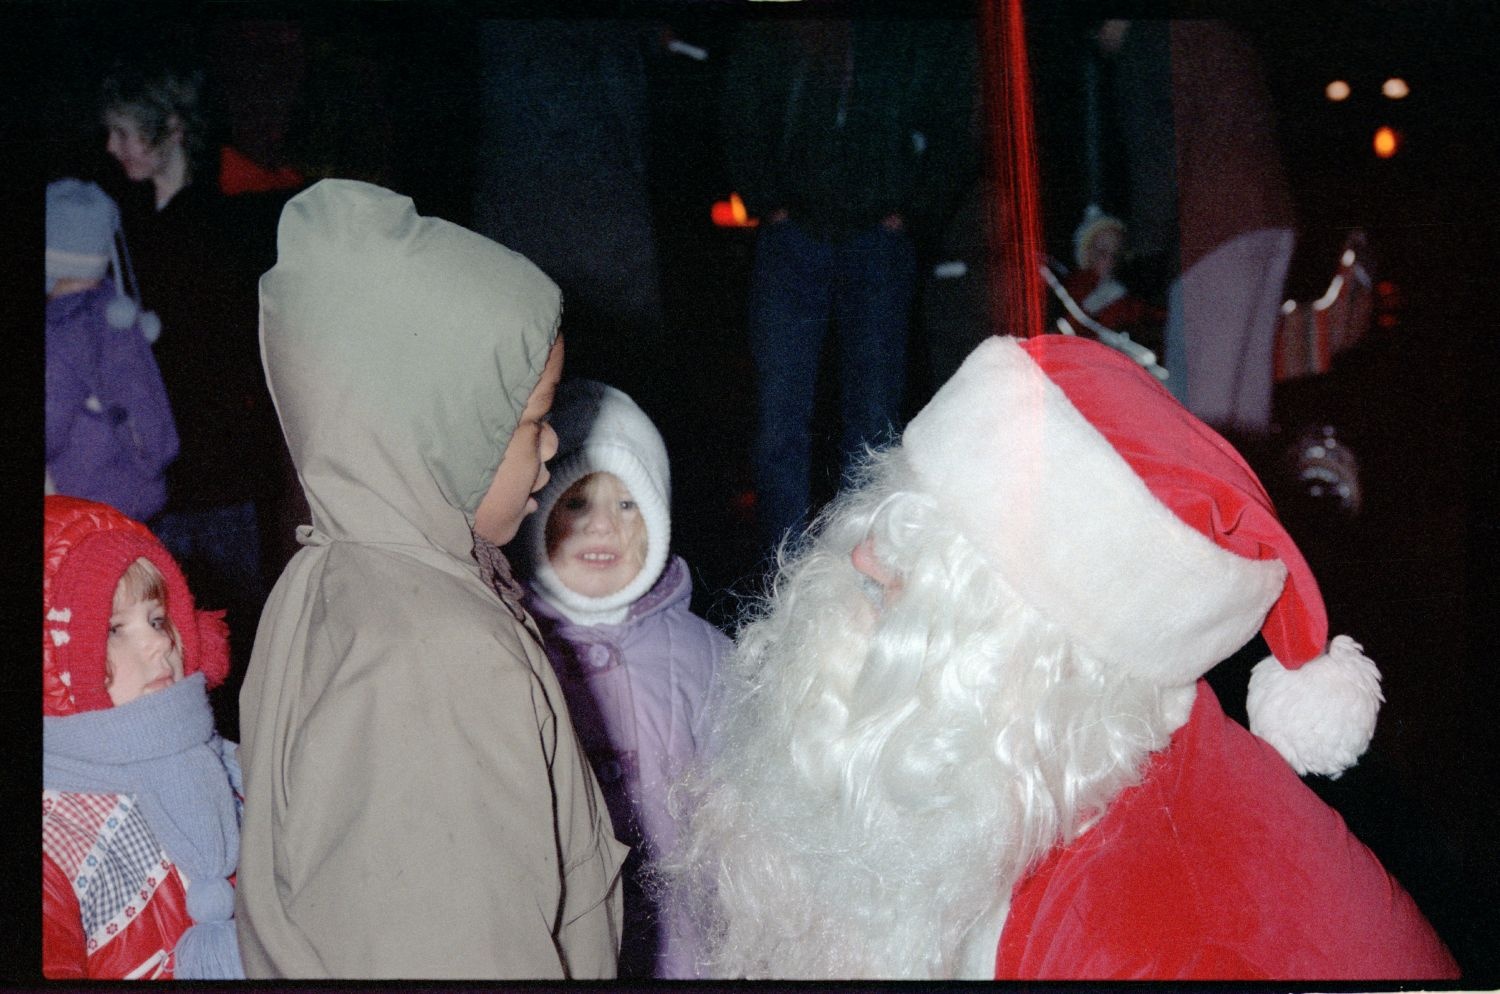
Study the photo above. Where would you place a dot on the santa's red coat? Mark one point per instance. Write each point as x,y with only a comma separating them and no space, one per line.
1220,864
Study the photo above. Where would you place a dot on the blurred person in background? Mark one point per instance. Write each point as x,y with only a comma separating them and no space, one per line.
193,267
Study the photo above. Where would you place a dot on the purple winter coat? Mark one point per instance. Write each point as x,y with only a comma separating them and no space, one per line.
637,692
109,430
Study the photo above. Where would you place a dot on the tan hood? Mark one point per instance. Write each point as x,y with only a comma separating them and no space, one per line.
391,447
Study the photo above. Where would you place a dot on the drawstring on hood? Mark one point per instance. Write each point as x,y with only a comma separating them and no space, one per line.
495,570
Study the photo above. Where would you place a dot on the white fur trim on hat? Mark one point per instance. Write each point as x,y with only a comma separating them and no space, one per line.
1072,528
600,429
1320,716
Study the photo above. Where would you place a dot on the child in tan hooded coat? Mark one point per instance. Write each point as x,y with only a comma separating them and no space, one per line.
417,804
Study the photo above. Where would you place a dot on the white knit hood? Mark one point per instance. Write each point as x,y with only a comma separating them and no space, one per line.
600,429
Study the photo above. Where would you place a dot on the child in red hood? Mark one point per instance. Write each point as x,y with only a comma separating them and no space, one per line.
140,796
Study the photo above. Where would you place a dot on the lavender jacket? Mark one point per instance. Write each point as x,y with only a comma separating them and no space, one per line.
110,434
637,692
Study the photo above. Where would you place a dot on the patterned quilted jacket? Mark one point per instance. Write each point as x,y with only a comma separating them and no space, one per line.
113,903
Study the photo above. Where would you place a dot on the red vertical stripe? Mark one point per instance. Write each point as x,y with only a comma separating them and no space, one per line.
1015,225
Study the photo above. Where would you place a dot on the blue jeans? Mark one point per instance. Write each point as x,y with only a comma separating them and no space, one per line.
801,286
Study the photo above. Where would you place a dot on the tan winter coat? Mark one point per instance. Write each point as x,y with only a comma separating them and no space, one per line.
417,803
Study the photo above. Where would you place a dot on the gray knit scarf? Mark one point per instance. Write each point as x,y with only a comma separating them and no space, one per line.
162,749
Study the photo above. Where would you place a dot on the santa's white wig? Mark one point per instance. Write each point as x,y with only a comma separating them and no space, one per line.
889,763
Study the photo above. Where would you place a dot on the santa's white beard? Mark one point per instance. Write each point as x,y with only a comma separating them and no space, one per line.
882,776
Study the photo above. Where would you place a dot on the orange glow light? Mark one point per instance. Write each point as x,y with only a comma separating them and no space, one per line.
731,213
1385,142
1337,90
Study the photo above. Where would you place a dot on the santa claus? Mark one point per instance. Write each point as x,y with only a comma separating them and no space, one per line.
965,734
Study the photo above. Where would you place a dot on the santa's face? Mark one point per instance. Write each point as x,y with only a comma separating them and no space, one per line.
838,795
889,765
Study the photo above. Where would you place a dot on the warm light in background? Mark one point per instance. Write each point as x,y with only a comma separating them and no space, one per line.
1395,88
731,213
1385,142
1337,90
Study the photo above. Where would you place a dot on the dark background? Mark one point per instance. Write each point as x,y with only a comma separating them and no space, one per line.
387,93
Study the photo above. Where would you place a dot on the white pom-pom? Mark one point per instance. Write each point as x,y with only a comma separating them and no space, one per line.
121,312
150,326
1321,716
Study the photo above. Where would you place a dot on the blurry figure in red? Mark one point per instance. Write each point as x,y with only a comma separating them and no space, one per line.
1098,248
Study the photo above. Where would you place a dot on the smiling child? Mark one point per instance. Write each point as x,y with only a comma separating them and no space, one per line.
634,662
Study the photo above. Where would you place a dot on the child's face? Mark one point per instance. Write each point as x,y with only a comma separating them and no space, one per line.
523,469
596,538
141,657
1104,250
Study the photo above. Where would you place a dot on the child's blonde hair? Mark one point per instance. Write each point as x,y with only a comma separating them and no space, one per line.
142,581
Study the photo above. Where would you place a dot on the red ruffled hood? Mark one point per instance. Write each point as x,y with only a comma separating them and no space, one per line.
86,549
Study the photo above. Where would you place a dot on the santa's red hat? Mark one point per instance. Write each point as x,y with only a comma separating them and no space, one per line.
1134,527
